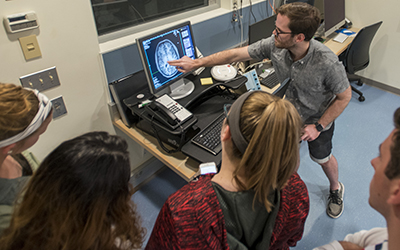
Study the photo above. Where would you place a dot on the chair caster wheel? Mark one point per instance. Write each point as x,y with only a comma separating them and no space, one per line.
361,98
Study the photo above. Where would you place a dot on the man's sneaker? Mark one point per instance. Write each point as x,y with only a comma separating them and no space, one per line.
335,202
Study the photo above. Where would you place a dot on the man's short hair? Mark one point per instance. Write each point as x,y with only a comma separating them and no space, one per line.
393,167
303,17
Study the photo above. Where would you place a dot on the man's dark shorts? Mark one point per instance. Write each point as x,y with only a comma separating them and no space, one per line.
321,148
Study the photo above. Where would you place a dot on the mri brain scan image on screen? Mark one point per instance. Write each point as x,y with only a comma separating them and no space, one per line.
157,49
166,51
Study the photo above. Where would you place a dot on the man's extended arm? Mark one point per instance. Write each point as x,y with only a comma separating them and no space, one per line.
333,111
359,240
339,245
186,64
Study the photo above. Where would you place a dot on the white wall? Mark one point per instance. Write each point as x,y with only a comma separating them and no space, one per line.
385,51
68,40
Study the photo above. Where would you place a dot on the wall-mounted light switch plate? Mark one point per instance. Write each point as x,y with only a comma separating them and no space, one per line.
30,47
59,108
41,80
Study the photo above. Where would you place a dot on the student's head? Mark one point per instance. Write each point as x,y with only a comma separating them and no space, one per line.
303,19
79,198
24,116
264,132
385,184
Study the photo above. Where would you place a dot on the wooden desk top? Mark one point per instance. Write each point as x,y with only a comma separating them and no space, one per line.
337,47
184,166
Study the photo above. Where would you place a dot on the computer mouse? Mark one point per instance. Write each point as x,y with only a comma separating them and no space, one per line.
347,31
319,39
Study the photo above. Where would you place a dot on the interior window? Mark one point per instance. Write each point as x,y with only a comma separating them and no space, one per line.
113,15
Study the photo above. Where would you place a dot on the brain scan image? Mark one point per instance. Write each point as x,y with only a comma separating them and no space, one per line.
166,51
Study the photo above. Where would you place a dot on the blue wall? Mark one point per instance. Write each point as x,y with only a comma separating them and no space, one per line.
210,36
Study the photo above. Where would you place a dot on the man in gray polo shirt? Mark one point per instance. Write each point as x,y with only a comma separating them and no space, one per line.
319,88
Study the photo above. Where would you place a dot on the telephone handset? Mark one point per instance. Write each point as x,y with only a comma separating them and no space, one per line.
162,113
168,111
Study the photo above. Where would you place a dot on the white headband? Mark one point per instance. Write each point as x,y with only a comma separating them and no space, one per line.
44,110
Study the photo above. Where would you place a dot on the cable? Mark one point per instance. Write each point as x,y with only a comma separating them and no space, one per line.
251,12
169,151
254,64
272,6
130,5
241,22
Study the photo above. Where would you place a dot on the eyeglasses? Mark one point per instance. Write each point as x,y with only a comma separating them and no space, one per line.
227,107
278,32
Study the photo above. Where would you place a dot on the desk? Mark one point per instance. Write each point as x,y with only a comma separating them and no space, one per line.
178,162
181,164
337,47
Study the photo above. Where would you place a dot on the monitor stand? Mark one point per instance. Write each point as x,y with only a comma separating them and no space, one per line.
181,88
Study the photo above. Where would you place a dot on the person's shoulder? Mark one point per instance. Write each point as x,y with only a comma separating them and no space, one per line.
295,188
319,46
193,192
295,180
322,54
265,42
322,49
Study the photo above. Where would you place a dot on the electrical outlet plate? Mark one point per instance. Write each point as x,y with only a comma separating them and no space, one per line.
59,108
235,11
41,80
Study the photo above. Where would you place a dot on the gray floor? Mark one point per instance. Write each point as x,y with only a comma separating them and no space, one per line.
359,131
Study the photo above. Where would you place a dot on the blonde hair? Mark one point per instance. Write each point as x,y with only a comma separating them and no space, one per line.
18,107
272,127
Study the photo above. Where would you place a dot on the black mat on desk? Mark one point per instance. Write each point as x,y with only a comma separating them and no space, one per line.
206,113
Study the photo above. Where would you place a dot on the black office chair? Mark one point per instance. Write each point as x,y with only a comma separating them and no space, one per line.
356,57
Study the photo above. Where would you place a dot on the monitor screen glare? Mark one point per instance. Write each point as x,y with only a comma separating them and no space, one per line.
159,48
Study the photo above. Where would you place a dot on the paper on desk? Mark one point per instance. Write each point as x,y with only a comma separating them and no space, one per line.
340,37
206,81
267,72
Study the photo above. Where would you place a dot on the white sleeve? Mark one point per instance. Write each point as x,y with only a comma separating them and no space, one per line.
368,238
334,245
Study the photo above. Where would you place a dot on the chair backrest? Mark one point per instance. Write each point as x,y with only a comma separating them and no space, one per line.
357,55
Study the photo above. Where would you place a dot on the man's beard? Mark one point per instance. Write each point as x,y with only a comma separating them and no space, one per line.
284,45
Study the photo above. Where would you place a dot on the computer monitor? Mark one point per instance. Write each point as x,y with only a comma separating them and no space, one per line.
261,29
310,2
334,15
157,49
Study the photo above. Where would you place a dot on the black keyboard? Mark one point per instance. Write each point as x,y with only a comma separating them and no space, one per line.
210,137
270,81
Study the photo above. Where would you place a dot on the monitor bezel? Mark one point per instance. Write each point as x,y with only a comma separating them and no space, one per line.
139,43
255,27
337,24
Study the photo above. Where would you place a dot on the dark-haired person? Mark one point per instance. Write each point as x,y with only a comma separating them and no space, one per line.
384,197
79,198
257,200
24,116
319,89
